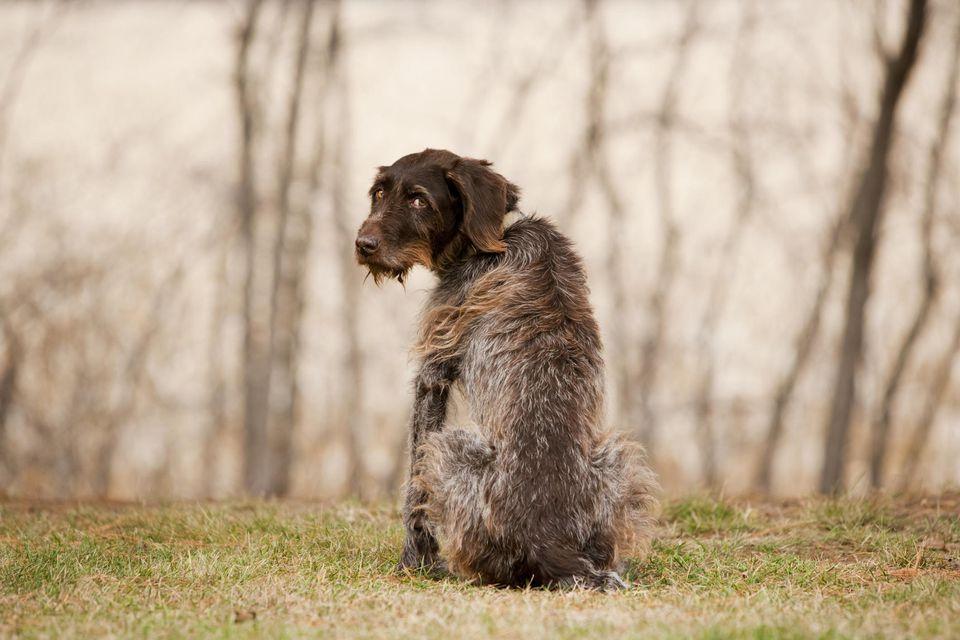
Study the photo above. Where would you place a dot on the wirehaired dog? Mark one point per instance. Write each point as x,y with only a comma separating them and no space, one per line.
539,493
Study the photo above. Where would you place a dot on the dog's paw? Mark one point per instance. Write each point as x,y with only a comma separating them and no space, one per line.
417,559
610,581
432,568
605,581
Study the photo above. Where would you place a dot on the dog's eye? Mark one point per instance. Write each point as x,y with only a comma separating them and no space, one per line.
378,194
418,203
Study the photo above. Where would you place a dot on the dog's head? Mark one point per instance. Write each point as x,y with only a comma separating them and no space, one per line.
424,202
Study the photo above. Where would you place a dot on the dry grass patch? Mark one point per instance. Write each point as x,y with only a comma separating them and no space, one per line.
719,569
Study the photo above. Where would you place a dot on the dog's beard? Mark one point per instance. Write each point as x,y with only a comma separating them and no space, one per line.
379,273
397,266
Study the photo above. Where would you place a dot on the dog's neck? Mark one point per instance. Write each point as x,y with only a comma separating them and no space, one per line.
460,249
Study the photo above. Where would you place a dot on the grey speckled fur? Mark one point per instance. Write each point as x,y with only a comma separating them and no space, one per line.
540,493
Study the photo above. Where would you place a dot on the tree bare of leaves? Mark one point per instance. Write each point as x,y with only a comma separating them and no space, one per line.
352,369
652,343
596,164
9,90
255,369
725,273
810,328
865,213
275,272
290,252
57,322
930,275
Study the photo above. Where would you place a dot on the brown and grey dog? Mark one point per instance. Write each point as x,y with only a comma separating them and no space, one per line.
539,493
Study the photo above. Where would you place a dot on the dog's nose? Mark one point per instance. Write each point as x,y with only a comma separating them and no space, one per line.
367,244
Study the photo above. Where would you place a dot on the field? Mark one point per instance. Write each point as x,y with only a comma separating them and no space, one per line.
719,569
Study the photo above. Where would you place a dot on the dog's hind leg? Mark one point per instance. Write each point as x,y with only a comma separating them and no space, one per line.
454,473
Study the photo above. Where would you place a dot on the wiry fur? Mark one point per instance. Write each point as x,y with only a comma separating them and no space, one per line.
540,493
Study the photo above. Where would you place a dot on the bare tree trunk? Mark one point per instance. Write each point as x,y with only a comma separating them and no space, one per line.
931,276
652,344
866,211
255,367
289,251
352,378
301,239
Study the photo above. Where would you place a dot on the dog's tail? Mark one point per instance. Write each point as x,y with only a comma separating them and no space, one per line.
626,506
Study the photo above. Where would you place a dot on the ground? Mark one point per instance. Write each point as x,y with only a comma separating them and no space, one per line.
719,569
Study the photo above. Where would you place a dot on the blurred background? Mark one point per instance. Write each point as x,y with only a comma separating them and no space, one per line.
766,194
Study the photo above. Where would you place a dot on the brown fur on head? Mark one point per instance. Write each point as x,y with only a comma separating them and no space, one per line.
429,207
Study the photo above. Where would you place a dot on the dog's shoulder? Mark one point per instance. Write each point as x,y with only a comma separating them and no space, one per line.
532,238
534,241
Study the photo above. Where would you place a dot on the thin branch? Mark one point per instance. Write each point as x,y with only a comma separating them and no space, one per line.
134,371
542,67
921,434
13,83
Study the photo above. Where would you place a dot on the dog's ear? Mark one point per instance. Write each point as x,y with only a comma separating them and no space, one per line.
486,197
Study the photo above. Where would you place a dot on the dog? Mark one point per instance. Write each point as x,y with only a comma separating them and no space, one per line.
538,493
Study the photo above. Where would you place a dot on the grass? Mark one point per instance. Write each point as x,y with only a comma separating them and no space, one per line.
719,569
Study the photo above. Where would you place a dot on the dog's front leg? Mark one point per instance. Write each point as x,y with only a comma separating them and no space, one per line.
420,549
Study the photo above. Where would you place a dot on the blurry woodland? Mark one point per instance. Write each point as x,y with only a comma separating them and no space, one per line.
766,194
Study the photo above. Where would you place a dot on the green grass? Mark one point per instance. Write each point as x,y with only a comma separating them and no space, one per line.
718,569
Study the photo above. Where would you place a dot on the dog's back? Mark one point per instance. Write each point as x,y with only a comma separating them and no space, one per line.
541,494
